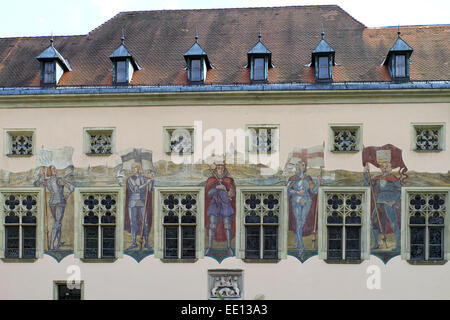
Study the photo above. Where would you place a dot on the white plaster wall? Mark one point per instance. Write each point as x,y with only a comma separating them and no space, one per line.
300,126
288,279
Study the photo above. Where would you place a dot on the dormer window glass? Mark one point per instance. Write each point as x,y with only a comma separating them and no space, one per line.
324,72
259,69
400,66
196,70
121,71
49,72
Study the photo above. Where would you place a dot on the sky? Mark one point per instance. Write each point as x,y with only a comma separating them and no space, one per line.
27,18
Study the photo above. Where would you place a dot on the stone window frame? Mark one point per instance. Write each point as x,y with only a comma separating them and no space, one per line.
332,127
282,224
98,130
78,222
430,125
159,227
166,139
405,232
57,283
365,222
39,223
249,127
213,273
7,135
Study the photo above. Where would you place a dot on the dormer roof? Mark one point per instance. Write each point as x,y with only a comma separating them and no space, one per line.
52,54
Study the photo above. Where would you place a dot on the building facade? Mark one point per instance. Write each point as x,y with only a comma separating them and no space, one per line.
289,152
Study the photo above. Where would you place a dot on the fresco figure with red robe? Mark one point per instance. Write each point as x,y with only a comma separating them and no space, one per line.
220,220
386,192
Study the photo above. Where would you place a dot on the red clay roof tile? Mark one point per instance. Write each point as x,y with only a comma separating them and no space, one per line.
158,40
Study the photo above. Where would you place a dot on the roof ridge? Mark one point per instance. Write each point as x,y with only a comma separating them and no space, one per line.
233,8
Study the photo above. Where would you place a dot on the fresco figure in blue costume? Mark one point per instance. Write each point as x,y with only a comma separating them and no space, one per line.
387,190
300,188
139,189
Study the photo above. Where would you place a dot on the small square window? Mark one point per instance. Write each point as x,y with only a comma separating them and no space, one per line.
99,141
19,142
345,138
225,285
178,140
427,137
263,139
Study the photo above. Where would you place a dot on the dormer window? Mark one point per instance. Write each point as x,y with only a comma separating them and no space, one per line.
53,66
397,60
323,61
197,63
259,61
124,65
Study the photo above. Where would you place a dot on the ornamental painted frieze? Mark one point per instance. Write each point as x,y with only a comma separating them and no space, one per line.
383,171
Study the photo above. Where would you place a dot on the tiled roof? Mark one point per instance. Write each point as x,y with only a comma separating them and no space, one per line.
158,40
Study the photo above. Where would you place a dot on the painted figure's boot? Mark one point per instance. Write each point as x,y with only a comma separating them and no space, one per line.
134,244
229,235
211,233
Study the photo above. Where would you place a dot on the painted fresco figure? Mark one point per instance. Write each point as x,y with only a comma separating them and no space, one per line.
387,192
221,207
55,186
138,203
301,187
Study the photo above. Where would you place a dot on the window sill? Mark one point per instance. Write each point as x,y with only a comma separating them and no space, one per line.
19,260
425,151
19,155
261,260
179,260
427,263
343,261
100,260
98,154
345,151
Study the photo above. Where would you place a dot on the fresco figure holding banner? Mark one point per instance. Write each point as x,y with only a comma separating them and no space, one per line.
58,200
138,216
301,189
386,192
302,193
